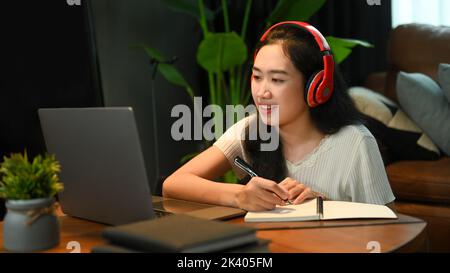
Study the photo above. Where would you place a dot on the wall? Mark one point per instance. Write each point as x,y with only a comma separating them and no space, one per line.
126,73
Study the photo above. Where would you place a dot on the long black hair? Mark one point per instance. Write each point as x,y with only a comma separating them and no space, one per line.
301,48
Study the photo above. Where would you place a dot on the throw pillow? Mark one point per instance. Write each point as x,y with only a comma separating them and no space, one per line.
423,100
444,79
392,128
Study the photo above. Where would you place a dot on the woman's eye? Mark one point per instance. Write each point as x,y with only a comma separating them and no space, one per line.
256,78
277,80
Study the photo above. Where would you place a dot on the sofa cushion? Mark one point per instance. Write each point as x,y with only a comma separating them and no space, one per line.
421,180
444,79
423,100
393,128
416,48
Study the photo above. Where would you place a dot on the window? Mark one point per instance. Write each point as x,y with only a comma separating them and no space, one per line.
420,11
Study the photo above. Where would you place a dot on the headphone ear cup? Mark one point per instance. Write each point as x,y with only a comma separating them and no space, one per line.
308,85
311,88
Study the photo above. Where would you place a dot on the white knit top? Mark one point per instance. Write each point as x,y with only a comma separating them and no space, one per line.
345,166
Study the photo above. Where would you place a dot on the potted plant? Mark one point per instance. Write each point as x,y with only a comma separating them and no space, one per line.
29,188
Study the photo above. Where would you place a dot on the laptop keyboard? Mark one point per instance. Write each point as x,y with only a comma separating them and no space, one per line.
159,213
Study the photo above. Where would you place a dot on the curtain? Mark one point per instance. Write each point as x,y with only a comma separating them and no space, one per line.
45,63
420,11
358,20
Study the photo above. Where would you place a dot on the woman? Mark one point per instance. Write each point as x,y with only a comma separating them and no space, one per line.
324,149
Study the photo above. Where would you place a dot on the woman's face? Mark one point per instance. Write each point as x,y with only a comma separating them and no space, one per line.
277,86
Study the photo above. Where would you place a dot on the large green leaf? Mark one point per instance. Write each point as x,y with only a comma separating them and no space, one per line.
219,52
169,72
172,75
189,7
298,10
151,52
342,48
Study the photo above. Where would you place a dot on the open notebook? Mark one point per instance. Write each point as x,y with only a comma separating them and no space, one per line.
317,209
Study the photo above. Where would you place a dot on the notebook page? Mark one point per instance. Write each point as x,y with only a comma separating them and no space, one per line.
349,210
303,212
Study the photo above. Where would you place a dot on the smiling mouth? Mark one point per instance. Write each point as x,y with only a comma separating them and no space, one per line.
266,109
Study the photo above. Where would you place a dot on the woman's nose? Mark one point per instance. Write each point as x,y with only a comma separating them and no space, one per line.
264,91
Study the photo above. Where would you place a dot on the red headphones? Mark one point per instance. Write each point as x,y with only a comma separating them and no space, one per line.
320,85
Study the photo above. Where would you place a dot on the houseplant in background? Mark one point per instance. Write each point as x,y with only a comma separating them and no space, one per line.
29,188
223,54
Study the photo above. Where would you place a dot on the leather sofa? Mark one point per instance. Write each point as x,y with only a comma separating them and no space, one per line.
422,188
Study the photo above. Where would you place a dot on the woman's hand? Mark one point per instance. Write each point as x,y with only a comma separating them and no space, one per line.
298,192
261,194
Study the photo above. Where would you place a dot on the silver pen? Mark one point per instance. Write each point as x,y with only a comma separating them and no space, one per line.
239,162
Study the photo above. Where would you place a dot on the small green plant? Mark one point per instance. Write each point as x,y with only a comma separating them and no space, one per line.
21,179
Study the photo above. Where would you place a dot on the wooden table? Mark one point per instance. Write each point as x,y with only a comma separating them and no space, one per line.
407,235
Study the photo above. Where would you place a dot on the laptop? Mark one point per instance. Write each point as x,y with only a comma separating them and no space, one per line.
103,168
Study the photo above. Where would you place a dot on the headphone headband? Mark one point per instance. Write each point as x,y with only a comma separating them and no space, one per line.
321,41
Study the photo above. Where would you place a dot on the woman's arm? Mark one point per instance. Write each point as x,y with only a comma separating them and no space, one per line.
193,181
